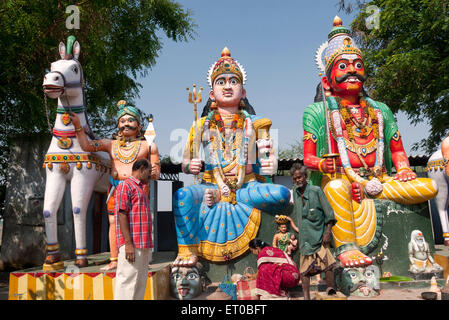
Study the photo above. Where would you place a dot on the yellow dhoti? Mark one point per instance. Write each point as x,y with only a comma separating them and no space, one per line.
357,222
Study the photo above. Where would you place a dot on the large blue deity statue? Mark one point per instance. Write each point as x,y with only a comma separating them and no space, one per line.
216,219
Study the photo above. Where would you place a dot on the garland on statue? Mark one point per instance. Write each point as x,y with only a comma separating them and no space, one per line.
373,186
213,130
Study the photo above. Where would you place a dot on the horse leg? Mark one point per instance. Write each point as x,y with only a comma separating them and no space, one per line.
82,185
54,191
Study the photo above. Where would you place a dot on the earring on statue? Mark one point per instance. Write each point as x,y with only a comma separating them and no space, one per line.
213,105
242,104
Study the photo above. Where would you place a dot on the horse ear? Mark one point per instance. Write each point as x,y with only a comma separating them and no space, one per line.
62,50
76,50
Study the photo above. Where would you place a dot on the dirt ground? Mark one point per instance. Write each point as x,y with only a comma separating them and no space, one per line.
385,294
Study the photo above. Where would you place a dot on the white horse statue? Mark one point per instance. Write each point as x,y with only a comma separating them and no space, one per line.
436,170
65,161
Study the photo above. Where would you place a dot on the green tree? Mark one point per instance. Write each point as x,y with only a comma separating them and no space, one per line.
119,40
293,151
407,59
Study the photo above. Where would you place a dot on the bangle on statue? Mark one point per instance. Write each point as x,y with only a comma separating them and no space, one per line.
319,165
403,169
78,129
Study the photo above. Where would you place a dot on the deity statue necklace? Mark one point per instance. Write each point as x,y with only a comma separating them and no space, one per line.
339,112
236,137
126,153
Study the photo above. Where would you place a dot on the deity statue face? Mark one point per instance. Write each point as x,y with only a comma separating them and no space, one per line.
418,237
227,90
185,283
282,228
362,282
128,126
346,76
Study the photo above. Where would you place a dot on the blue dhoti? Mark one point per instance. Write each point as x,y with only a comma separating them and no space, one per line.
224,229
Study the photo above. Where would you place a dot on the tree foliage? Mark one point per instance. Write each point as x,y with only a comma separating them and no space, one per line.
293,151
119,41
407,59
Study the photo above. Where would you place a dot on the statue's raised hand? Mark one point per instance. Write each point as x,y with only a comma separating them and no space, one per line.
195,166
224,189
268,166
264,146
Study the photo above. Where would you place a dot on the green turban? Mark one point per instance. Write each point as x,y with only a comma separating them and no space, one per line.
129,110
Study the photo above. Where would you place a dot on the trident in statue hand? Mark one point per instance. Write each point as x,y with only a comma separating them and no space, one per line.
195,98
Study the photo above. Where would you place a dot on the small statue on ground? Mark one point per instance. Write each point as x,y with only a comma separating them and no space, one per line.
187,282
361,282
285,240
421,260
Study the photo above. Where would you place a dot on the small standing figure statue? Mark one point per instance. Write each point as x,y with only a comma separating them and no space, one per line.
285,240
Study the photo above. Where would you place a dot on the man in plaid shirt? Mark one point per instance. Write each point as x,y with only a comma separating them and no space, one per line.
133,225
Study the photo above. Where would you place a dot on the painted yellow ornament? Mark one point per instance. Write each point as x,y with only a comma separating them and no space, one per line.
64,167
64,143
65,119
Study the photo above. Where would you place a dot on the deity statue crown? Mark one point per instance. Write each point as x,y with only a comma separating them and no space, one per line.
339,42
226,64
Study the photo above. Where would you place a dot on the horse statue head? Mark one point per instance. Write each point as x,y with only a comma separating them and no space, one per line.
66,75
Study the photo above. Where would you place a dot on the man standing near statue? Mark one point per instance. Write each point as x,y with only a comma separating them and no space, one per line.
315,218
125,150
132,209
351,143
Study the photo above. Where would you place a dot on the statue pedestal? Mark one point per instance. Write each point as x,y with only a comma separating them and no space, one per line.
441,257
398,222
89,283
426,275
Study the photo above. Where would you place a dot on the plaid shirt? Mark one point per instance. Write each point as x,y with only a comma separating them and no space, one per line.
130,196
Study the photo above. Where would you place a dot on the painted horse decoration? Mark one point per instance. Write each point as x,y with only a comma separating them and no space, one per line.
65,161
438,170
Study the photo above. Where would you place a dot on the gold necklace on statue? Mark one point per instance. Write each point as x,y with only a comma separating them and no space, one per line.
127,153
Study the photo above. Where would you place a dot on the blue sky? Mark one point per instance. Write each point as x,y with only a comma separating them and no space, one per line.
275,41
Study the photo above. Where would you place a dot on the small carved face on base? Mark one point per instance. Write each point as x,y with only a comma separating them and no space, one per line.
362,282
186,282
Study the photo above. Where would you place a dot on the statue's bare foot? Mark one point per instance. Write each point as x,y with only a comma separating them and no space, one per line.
81,263
354,258
111,266
210,197
185,261
446,241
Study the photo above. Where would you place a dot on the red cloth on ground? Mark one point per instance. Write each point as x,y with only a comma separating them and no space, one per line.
276,271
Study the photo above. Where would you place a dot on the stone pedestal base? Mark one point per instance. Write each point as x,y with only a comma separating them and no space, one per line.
87,283
426,275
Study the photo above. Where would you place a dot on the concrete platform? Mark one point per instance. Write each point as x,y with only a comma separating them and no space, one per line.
89,283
